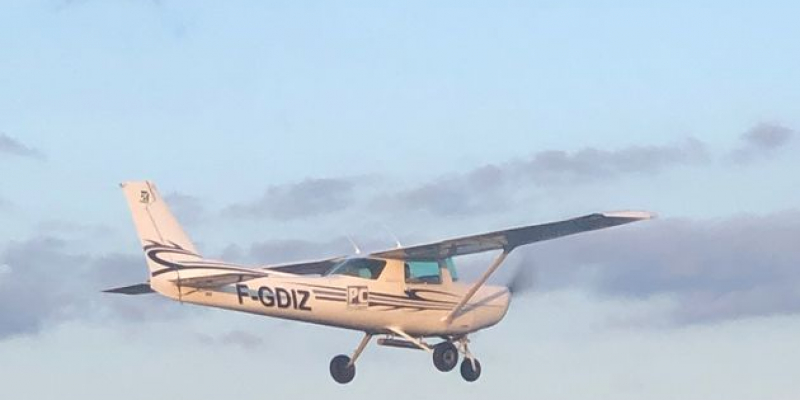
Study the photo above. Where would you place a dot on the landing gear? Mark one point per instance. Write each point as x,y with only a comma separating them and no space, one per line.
470,366
445,356
470,369
343,368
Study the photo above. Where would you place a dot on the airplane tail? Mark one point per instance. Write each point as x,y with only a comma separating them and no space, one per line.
163,240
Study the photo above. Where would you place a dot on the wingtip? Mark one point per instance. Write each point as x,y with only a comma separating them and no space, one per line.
638,215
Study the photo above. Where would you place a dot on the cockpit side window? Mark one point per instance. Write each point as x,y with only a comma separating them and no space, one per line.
366,268
423,272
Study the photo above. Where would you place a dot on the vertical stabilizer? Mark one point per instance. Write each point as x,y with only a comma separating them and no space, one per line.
152,217
163,240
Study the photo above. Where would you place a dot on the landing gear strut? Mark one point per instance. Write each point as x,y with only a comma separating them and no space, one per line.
343,368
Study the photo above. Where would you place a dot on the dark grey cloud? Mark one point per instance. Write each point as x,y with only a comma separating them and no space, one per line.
38,285
308,198
46,280
478,191
13,147
761,141
492,187
592,164
714,269
496,187
767,136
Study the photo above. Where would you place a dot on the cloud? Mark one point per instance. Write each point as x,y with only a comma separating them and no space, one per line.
714,269
492,187
496,187
13,147
761,141
189,210
591,164
46,281
304,199
39,287
476,191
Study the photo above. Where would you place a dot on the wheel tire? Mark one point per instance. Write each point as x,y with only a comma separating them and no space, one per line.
468,373
340,372
445,356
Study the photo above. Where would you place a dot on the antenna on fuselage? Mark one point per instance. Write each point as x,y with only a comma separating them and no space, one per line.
389,231
355,246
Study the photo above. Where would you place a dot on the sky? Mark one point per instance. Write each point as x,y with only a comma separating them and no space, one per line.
276,130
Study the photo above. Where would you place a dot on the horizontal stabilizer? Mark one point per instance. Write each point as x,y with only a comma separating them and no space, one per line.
141,288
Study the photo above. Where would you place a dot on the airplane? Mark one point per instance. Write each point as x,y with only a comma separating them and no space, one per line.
406,296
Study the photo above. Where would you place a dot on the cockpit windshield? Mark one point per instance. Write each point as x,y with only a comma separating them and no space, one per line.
366,268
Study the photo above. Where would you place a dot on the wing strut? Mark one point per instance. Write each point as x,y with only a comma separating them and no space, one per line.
474,289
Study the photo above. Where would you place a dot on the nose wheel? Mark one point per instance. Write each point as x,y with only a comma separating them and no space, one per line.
470,369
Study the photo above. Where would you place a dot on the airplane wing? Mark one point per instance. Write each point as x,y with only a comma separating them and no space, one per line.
511,238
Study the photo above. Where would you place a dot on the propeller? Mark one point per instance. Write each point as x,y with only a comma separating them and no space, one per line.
524,278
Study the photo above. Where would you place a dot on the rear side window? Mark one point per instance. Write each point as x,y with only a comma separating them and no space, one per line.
423,272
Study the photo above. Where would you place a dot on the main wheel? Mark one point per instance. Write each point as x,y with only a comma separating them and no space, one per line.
445,356
469,373
341,371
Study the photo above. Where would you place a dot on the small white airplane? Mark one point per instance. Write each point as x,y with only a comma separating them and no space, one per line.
406,296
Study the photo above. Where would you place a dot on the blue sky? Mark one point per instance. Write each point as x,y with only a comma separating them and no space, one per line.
278,128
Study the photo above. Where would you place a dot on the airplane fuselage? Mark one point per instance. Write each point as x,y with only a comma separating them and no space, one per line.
356,303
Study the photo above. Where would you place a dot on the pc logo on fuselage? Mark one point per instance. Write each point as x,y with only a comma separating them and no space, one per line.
357,296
